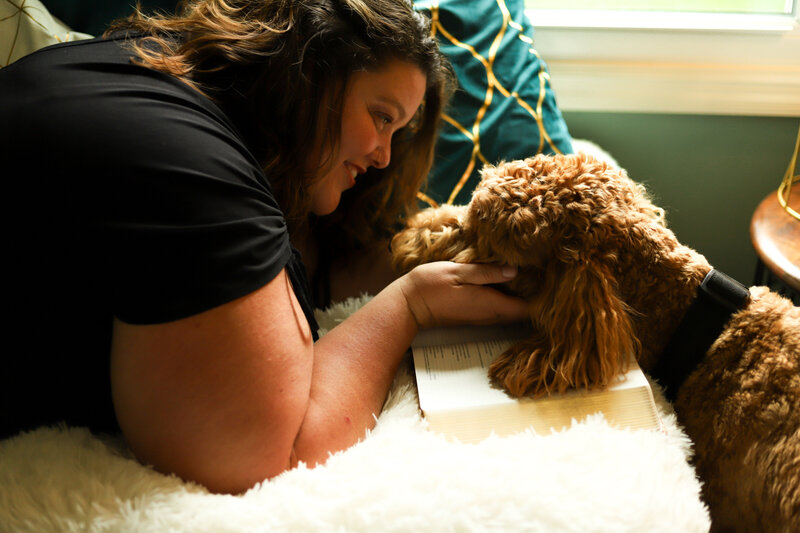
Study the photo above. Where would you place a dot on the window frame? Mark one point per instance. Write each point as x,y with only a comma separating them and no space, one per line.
654,62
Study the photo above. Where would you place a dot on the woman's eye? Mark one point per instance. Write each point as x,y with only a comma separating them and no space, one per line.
383,119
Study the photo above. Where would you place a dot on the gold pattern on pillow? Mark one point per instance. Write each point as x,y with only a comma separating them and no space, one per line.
487,31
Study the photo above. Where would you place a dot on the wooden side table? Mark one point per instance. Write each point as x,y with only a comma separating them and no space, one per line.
776,239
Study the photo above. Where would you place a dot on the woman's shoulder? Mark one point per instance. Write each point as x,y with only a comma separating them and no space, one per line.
78,51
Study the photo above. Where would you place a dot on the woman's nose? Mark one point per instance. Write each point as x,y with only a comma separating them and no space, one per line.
382,154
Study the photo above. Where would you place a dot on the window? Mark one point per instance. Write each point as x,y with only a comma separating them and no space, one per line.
722,57
772,7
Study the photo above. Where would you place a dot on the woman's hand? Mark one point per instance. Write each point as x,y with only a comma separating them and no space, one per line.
447,293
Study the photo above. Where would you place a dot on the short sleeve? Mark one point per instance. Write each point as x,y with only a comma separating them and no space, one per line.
193,223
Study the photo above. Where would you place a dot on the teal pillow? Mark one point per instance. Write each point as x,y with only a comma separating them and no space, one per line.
513,116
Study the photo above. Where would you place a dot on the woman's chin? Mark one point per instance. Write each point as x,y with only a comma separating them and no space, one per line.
325,208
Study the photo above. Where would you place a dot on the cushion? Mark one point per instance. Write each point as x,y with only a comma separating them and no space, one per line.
27,26
504,107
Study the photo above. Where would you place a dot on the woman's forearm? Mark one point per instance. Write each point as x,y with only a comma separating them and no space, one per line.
354,365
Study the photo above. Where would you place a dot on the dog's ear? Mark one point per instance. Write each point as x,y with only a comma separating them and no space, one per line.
433,234
584,334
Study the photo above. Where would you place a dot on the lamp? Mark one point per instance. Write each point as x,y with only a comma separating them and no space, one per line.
789,178
775,233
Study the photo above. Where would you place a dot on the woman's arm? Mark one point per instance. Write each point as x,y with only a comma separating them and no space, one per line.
239,393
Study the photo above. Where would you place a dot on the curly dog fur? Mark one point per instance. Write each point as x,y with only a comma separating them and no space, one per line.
605,277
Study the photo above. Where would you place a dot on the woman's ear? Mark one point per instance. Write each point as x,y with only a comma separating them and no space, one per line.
584,334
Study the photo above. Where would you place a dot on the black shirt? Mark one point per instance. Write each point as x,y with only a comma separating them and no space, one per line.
127,194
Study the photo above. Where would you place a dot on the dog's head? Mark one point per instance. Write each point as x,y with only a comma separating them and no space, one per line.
565,222
557,210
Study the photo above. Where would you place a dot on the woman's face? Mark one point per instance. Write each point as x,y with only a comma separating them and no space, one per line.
376,105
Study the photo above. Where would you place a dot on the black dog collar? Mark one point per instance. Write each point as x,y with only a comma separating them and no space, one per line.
718,297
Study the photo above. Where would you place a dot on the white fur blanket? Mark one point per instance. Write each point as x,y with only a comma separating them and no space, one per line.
399,478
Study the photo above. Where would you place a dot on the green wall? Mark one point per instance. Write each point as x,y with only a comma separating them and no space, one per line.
708,172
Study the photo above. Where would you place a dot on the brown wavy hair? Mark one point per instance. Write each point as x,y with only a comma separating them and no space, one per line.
279,63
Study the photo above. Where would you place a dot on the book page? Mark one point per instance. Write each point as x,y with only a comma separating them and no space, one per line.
456,375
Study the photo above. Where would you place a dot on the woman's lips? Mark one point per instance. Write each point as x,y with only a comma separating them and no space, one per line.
353,170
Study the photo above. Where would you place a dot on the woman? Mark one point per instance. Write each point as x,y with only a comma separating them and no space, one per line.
172,169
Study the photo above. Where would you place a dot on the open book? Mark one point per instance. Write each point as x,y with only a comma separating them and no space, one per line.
458,400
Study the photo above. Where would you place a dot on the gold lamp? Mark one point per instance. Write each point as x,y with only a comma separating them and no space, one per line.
776,236
785,188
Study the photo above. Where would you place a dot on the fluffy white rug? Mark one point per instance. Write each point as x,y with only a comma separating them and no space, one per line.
401,477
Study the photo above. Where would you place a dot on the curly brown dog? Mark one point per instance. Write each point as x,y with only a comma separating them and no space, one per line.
604,278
